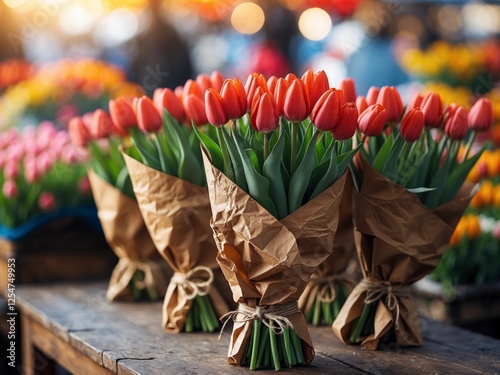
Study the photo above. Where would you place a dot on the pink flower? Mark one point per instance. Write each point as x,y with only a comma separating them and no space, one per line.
69,155
31,172
9,189
46,201
45,161
11,169
84,185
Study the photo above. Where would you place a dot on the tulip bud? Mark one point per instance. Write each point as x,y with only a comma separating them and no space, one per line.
204,83
412,125
480,116
78,132
416,102
122,114
326,113
191,88
296,105
433,110
372,120
390,99
46,201
346,127
11,169
271,83
455,126
165,98
213,106
194,108
361,104
9,189
372,95
217,80
234,99
254,80
290,77
316,85
264,115
348,90
101,125
279,94
148,118
31,171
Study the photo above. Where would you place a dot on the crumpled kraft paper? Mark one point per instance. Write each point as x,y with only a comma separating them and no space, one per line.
267,261
398,239
344,252
128,236
177,214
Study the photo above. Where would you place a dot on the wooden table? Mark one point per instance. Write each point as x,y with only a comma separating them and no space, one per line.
74,325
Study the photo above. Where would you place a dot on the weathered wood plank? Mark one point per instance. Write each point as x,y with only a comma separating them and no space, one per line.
127,338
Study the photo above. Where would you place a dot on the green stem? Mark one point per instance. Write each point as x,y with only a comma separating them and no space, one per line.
266,146
317,311
297,346
288,351
293,153
274,348
264,347
255,344
469,146
360,323
228,168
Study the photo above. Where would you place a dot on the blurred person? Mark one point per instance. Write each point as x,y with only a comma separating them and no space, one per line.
162,56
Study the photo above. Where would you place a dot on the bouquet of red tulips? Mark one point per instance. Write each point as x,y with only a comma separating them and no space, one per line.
164,161
276,172
411,194
140,273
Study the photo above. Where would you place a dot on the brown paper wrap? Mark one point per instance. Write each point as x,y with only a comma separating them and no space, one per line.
334,270
177,214
266,261
127,235
398,240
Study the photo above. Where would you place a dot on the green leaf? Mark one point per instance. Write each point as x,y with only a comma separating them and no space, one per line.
189,168
239,173
124,184
272,171
300,179
381,157
306,141
420,190
211,147
148,152
258,185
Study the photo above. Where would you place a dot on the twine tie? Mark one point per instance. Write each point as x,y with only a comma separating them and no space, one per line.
194,282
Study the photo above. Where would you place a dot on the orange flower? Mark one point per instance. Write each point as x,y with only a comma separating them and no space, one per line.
122,114
390,99
348,88
264,115
165,98
194,107
316,85
234,99
473,228
101,125
254,81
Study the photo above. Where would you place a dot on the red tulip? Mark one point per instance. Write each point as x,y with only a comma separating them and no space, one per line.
122,114
78,132
101,125
316,85
326,113
412,125
372,95
390,99
194,107
455,125
254,80
46,201
264,115
416,102
165,98
290,77
148,118
346,127
348,88
361,104
217,80
214,110
279,94
433,110
271,83
192,88
204,83
372,120
234,99
296,105
480,116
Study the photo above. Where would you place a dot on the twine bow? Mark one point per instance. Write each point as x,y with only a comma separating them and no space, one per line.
376,289
326,284
193,282
275,317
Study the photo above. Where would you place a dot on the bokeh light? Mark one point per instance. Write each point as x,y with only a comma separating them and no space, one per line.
315,24
247,18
